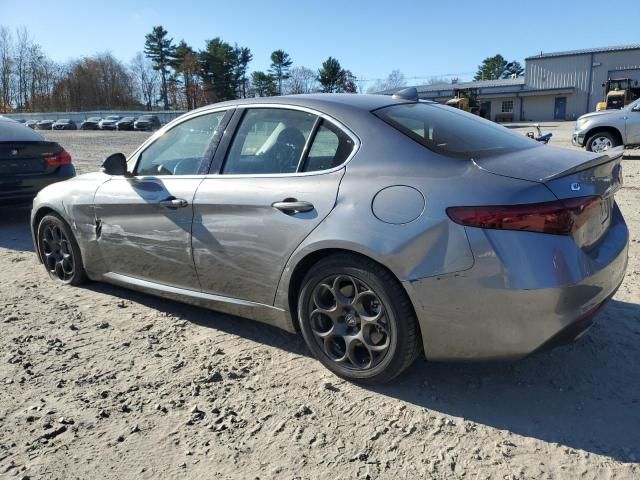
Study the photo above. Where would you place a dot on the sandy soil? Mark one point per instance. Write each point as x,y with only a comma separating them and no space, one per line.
101,382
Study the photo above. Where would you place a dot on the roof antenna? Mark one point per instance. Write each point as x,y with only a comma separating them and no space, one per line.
410,93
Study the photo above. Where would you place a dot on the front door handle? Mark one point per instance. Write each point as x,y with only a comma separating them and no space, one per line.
173,203
291,205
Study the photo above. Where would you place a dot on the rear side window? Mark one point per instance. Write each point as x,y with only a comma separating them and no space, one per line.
330,148
450,132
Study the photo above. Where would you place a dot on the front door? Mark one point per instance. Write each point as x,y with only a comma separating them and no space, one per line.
143,221
633,125
279,180
560,108
485,110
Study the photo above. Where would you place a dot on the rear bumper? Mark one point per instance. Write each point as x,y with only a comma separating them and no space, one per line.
23,189
524,291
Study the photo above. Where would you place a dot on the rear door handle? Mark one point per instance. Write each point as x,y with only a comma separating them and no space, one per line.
173,203
291,205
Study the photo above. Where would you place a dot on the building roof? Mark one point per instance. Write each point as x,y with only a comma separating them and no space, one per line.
502,82
586,51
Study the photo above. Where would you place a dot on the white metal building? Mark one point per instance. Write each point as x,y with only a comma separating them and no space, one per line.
556,86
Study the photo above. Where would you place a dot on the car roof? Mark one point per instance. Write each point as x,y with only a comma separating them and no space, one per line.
12,131
327,102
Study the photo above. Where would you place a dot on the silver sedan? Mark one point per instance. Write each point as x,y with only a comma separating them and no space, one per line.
379,227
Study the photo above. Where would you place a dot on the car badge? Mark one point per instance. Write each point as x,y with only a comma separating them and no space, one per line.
14,152
575,186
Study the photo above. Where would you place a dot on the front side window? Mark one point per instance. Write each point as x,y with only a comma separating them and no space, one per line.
183,150
451,132
269,140
507,106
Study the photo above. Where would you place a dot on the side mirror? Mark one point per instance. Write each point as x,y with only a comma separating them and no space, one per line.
115,164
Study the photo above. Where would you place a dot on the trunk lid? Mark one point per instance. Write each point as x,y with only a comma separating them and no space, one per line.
569,175
26,158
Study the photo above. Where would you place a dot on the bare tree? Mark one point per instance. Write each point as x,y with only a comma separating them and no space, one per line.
438,81
302,80
98,82
394,80
6,69
146,80
21,61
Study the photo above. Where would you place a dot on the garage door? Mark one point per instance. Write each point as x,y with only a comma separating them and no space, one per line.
632,73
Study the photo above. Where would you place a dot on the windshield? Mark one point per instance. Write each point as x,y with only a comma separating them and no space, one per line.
113,117
633,105
451,132
94,119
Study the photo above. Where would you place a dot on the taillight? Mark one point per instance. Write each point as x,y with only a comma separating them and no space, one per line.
560,217
60,158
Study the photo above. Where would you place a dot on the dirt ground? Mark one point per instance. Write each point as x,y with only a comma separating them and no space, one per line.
102,382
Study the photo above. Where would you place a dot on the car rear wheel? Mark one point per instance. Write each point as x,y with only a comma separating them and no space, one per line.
59,251
601,142
357,319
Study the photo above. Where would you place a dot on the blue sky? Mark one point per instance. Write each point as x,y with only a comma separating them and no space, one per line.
371,38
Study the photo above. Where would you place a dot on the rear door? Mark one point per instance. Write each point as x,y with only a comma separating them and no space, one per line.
143,220
277,180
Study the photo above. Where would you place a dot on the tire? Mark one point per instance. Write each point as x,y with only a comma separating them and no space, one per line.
601,142
59,251
357,319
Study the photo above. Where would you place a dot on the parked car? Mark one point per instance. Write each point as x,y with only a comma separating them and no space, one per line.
607,129
126,123
379,227
44,124
147,122
28,162
90,123
64,124
31,123
109,123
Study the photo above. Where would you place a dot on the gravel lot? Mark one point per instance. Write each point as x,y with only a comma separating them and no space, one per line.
102,382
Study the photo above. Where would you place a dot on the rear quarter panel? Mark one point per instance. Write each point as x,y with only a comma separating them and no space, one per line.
427,246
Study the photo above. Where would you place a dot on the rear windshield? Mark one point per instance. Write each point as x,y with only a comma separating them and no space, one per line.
451,132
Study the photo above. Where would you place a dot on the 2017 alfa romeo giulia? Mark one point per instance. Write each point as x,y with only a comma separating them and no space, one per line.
379,227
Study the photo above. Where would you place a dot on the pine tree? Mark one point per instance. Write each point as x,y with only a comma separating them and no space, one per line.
243,57
330,75
280,63
161,51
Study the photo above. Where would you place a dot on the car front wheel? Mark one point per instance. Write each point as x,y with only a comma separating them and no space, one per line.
59,251
601,142
357,319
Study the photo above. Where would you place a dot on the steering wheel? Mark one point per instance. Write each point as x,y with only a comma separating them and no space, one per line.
187,166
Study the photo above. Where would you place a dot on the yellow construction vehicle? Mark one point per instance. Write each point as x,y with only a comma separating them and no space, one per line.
459,102
618,92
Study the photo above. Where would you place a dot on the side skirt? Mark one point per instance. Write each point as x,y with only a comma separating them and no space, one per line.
255,311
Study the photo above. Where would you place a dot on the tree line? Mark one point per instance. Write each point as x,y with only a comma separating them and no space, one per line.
173,75
165,75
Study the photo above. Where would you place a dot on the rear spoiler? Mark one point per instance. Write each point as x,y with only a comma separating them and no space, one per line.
608,156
